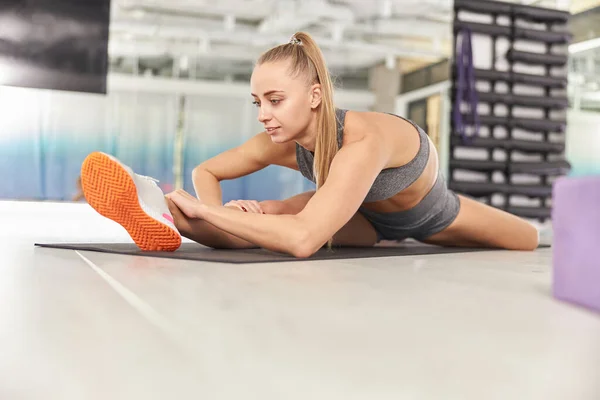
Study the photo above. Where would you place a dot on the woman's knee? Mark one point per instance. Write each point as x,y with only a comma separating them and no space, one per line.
274,207
293,205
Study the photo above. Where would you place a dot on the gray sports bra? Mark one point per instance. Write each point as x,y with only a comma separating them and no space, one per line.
390,181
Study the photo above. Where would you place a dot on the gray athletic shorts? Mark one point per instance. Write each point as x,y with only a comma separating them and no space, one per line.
436,211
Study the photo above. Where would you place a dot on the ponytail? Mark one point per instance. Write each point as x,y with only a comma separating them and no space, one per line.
326,145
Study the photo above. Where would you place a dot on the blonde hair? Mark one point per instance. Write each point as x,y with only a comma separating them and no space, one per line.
306,58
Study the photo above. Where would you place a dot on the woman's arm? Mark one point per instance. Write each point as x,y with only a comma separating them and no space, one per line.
351,175
255,154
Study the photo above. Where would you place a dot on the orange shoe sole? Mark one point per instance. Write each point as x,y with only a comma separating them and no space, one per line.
111,191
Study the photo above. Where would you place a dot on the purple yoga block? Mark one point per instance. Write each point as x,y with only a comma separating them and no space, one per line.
576,243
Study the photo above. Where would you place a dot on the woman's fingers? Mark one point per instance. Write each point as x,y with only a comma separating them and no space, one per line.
252,206
233,204
188,204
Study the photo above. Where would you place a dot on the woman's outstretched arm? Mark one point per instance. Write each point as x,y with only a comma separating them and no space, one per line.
351,175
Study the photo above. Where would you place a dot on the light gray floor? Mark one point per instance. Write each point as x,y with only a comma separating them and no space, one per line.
101,326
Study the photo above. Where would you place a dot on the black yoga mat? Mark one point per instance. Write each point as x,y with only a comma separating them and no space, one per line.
488,188
526,146
517,32
193,251
554,102
518,77
560,167
526,12
536,58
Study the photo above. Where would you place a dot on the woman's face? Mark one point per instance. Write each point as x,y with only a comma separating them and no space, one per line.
284,103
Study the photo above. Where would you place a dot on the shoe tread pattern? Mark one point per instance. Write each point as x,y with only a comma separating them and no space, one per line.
111,191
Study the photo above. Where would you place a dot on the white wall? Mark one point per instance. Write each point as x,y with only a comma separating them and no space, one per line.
583,142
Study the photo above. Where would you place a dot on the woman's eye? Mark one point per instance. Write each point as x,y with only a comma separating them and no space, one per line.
274,101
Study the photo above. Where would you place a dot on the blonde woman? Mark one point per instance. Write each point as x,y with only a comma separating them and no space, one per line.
377,178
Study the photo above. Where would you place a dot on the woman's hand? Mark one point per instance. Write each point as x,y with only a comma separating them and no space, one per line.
252,206
189,205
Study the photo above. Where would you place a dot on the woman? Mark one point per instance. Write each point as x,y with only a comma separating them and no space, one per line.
377,177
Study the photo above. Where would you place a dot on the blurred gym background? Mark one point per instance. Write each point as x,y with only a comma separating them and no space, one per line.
164,85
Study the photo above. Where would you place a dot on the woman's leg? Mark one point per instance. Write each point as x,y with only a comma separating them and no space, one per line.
480,225
357,232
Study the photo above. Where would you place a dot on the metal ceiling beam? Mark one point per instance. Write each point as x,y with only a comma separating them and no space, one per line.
260,40
137,49
247,9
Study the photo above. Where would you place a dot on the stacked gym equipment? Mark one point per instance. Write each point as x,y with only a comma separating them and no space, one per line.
509,104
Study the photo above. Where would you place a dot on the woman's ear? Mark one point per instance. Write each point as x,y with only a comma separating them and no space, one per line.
315,95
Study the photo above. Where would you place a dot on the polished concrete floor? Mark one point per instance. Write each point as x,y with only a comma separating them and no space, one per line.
82,325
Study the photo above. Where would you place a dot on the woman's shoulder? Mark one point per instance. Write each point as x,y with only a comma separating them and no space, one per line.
359,124
395,132
355,123
371,118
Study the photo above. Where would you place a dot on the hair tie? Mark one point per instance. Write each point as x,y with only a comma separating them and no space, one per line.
295,41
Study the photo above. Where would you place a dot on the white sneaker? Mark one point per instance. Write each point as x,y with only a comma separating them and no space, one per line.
134,201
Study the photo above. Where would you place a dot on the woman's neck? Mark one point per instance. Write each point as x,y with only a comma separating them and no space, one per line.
308,137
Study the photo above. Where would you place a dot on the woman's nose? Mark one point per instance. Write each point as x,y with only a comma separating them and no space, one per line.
263,116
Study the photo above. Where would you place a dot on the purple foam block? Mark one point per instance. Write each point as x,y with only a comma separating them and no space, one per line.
576,244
